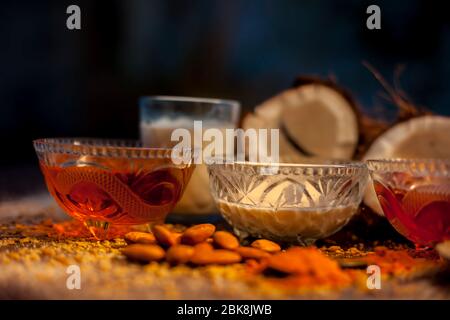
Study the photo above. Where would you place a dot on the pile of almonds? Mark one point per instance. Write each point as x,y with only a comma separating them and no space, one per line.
202,245
199,245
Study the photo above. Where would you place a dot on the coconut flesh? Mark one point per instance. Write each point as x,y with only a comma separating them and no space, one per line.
315,120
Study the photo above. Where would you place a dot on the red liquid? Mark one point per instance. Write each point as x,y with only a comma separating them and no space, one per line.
421,214
118,196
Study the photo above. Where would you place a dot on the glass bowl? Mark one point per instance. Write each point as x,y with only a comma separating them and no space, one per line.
161,115
103,182
415,197
287,202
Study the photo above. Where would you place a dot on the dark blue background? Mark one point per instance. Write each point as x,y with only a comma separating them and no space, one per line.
57,82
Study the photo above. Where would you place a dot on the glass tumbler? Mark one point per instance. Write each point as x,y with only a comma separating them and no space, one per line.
161,115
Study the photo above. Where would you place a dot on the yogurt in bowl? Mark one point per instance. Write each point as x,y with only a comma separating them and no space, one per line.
287,202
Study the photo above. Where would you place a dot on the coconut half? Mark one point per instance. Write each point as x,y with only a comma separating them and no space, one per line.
316,119
421,137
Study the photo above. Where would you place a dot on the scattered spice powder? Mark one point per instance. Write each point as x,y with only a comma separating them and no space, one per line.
308,267
294,268
400,262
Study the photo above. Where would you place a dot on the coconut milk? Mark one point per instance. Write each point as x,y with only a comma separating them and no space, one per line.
197,198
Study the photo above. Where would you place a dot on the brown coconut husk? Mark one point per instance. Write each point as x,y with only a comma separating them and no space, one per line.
372,128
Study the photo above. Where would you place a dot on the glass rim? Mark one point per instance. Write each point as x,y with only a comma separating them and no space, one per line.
102,147
408,160
340,164
162,98
420,167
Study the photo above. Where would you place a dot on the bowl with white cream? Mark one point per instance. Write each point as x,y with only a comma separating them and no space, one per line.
297,203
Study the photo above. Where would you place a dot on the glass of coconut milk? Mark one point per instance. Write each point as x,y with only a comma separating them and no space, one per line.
161,115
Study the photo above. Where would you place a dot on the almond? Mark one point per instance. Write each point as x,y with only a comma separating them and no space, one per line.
179,254
165,237
225,240
144,252
202,247
197,233
220,256
252,253
266,245
140,237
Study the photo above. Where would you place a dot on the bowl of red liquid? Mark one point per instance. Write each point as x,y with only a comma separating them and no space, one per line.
415,197
112,182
